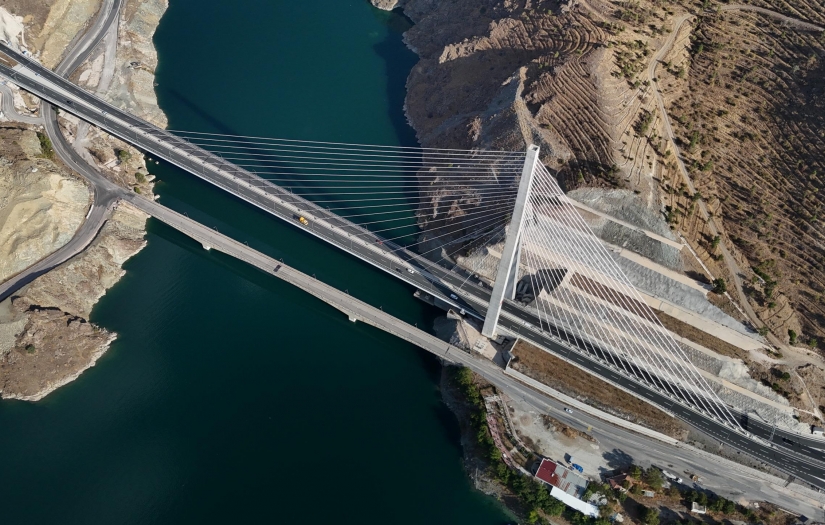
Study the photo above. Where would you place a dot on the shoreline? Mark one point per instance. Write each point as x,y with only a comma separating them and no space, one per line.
38,360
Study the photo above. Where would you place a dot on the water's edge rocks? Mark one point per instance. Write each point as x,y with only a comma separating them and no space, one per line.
46,339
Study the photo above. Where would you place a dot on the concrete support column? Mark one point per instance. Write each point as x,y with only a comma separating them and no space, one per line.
505,285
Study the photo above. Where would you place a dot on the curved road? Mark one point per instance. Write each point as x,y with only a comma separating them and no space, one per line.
799,456
799,24
7,106
105,193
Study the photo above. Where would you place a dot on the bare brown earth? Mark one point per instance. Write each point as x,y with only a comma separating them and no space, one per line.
573,381
45,339
749,117
57,343
54,348
705,339
743,92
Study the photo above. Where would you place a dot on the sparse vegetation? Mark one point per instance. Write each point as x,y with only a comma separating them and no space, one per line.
563,376
751,146
123,155
45,146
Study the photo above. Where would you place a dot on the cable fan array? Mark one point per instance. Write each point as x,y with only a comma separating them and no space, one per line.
466,197
460,196
578,288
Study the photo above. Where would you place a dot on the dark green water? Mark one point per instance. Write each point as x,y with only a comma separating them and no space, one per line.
229,396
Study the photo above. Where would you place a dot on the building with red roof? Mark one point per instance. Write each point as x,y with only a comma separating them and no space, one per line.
561,477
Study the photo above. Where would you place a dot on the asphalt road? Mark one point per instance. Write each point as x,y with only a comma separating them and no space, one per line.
803,460
107,17
615,442
105,193
7,106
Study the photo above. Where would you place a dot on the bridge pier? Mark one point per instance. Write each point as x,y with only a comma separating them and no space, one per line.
206,246
352,318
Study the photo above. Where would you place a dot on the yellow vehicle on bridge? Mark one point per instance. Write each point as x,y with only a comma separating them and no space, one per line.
303,221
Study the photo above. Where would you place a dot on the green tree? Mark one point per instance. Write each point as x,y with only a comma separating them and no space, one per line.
792,337
123,155
653,477
650,516
635,471
47,151
553,507
719,286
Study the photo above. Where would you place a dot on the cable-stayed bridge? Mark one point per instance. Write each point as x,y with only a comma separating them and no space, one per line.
369,202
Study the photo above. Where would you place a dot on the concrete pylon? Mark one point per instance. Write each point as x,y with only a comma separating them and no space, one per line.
505,285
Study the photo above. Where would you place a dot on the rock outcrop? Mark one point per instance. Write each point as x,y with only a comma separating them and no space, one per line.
388,5
77,285
41,203
46,340
67,18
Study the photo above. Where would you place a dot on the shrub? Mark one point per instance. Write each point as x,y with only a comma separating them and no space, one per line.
653,477
792,337
45,145
123,155
140,177
30,348
650,516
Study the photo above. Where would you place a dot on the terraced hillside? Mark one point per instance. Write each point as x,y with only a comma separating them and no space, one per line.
749,116
602,85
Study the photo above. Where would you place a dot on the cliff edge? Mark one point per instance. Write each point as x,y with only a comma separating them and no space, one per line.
46,339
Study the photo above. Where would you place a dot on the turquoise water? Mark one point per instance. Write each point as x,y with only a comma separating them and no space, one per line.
229,396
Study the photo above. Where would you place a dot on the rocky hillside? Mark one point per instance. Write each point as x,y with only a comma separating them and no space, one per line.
53,341
45,337
748,107
41,203
742,91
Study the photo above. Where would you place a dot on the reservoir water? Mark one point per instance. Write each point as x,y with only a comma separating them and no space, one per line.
229,396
